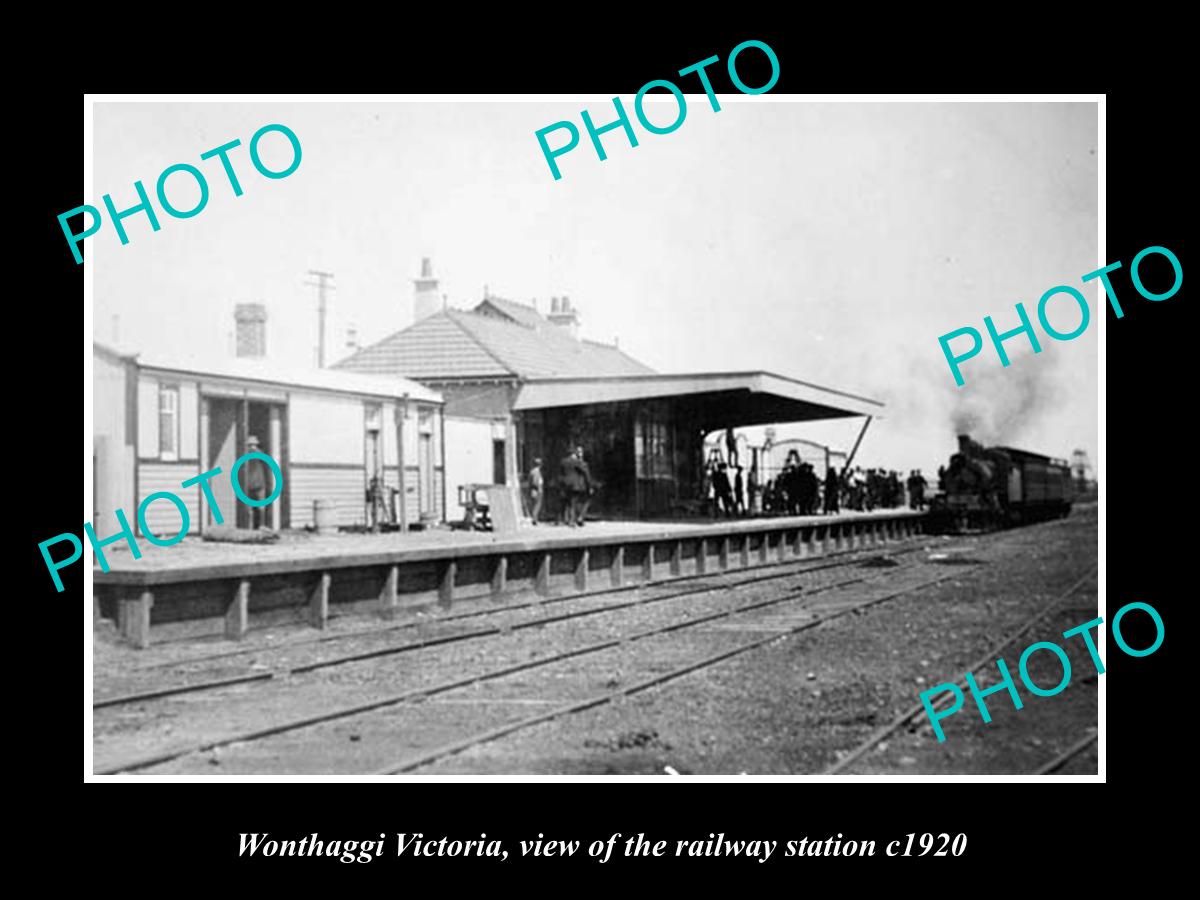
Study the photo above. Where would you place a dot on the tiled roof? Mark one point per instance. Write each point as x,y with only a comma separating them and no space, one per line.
435,347
460,344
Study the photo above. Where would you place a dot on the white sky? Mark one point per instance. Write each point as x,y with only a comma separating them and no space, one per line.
828,242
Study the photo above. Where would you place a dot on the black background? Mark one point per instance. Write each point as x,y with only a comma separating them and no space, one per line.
164,829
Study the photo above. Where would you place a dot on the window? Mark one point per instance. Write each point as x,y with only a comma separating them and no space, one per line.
652,449
498,467
168,422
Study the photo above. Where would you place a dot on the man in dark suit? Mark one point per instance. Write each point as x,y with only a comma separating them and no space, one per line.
577,485
831,490
256,482
723,490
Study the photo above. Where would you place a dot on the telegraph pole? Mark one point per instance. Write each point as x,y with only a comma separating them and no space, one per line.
322,285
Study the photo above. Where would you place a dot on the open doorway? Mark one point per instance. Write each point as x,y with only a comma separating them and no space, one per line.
231,422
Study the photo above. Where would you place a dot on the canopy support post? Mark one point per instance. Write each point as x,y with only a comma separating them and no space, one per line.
850,458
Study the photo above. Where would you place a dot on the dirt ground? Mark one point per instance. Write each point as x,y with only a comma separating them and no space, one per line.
792,706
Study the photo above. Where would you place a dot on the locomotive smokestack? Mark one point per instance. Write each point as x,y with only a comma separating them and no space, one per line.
964,443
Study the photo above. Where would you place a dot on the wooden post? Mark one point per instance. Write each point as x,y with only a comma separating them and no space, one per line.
500,577
541,583
677,558
133,618
803,547
446,584
581,570
388,597
781,551
275,436
237,616
617,570
648,563
745,551
724,553
318,607
202,503
701,555
401,413
764,548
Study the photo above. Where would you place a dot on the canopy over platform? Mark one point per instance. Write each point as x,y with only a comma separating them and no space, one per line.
724,399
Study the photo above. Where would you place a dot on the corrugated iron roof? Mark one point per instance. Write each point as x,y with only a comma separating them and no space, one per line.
776,397
261,370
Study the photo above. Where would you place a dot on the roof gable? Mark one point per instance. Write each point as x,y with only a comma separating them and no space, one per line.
498,307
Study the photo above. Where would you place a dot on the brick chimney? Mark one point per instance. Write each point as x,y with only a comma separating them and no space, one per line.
251,321
564,315
426,299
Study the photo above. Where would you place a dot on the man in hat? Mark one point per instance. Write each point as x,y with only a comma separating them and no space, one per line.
577,485
256,482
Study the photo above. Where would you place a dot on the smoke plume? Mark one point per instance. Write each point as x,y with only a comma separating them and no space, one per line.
1005,405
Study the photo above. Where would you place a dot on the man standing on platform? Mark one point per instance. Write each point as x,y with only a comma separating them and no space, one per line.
831,490
537,491
255,481
723,489
577,484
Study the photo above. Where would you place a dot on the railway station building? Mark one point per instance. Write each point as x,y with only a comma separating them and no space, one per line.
161,420
520,385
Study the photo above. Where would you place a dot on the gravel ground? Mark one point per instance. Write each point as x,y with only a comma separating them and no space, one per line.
797,705
790,706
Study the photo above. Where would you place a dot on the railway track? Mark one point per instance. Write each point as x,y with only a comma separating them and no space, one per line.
991,655
443,635
1067,755
474,740
587,649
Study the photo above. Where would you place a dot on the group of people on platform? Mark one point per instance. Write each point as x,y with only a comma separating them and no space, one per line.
730,491
798,490
576,487
883,489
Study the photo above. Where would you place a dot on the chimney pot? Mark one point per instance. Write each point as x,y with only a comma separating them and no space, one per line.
251,329
562,315
426,298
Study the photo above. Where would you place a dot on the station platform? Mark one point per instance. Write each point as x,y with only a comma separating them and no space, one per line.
303,575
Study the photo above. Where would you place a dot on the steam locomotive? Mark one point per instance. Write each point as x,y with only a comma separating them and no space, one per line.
998,487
